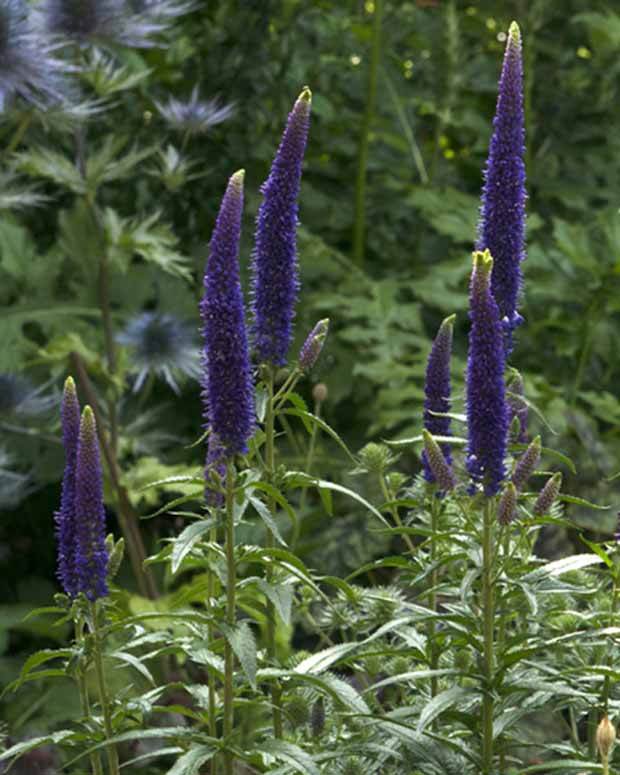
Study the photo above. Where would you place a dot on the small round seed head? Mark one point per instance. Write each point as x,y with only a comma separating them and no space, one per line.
526,464
507,507
320,392
375,458
547,495
605,737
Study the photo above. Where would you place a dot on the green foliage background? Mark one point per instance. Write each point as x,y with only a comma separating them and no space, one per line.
437,86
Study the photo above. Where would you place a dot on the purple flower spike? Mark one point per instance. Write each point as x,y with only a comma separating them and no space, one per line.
91,556
440,468
275,282
548,495
312,347
227,379
507,506
216,464
487,414
526,464
437,391
502,223
65,516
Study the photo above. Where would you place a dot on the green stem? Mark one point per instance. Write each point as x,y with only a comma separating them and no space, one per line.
612,621
359,224
394,512
307,469
111,752
434,652
605,763
21,130
211,639
503,624
231,583
276,691
488,622
95,762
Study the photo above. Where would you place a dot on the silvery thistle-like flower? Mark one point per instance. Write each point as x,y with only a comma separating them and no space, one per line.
65,516
275,281
27,66
162,345
313,345
517,406
437,389
194,116
91,556
19,398
502,223
227,379
487,414
109,21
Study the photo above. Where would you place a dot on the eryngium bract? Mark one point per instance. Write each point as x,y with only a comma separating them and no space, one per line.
91,556
275,282
227,380
194,115
65,516
487,414
437,390
27,66
502,223
162,345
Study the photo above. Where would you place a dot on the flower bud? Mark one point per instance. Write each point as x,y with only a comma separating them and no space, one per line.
311,348
507,507
526,465
444,476
374,458
605,737
320,392
317,717
547,496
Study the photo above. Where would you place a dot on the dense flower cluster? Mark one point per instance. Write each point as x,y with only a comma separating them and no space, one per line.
275,282
227,381
65,517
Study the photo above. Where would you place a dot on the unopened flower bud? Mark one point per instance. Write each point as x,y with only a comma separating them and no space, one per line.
320,392
374,458
507,507
444,476
311,348
605,737
116,552
547,495
317,717
526,465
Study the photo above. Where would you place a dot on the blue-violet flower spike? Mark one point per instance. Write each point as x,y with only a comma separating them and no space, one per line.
437,391
487,413
275,281
502,215
65,516
91,556
548,495
227,380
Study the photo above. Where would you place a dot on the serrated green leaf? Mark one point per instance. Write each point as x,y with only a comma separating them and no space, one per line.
264,513
186,541
191,762
243,643
129,659
19,749
440,703
292,754
281,595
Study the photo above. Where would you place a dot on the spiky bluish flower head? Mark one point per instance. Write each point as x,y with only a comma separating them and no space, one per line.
439,466
507,506
548,494
20,399
312,347
14,485
194,116
275,282
28,68
110,21
517,406
437,389
502,215
487,413
91,556
65,516
161,345
227,379
526,464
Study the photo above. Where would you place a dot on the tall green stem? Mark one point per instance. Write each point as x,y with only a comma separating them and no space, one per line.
434,652
111,752
211,638
389,496
95,762
231,584
276,692
488,633
359,224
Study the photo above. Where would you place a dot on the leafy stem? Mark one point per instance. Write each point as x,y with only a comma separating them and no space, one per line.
95,762
104,700
231,582
434,652
488,636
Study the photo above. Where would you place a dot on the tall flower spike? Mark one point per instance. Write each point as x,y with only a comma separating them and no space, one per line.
312,347
502,223
91,556
517,407
437,391
507,506
487,414
439,466
227,380
65,516
275,281
547,495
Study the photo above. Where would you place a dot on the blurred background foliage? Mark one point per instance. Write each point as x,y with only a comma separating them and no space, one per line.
158,185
